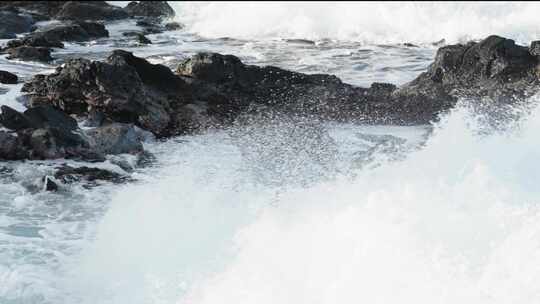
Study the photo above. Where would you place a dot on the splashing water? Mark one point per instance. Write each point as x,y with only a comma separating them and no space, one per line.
455,222
367,22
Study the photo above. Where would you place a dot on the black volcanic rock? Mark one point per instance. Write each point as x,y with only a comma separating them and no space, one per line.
8,78
44,132
70,31
173,26
212,90
49,184
115,139
12,23
46,9
10,148
30,53
124,88
152,9
68,175
142,39
495,67
47,116
13,120
90,10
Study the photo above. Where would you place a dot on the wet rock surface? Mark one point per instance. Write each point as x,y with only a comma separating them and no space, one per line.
44,132
150,9
30,53
12,23
8,78
90,10
68,175
212,90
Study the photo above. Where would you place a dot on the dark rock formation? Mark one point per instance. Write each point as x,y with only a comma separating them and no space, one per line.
44,116
12,23
35,40
46,9
10,148
495,67
173,26
13,119
151,9
8,78
115,139
142,39
213,90
49,184
151,26
44,132
125,88
90,10
53,35
66,10
30,53
67,175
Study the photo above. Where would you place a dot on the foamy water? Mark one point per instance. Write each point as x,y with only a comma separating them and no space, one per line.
288,210
367,22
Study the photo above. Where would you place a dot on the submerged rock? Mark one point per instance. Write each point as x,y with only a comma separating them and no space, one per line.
173,26
36,40
49,184
8,78
142,39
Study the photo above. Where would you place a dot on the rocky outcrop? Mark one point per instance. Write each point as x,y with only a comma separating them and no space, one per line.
68,175
30,53
12,23
53,35
150,9
115,139
67,10
90,10
140,37
173,26
212,90
10,148
46,9
8,78
495,68
124,88
44,132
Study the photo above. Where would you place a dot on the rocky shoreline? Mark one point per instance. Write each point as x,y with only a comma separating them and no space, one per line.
124,98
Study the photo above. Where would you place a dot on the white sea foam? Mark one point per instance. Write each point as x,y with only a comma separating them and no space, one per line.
455,222
368,22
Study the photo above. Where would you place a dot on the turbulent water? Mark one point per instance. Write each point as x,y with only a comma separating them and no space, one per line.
287,210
